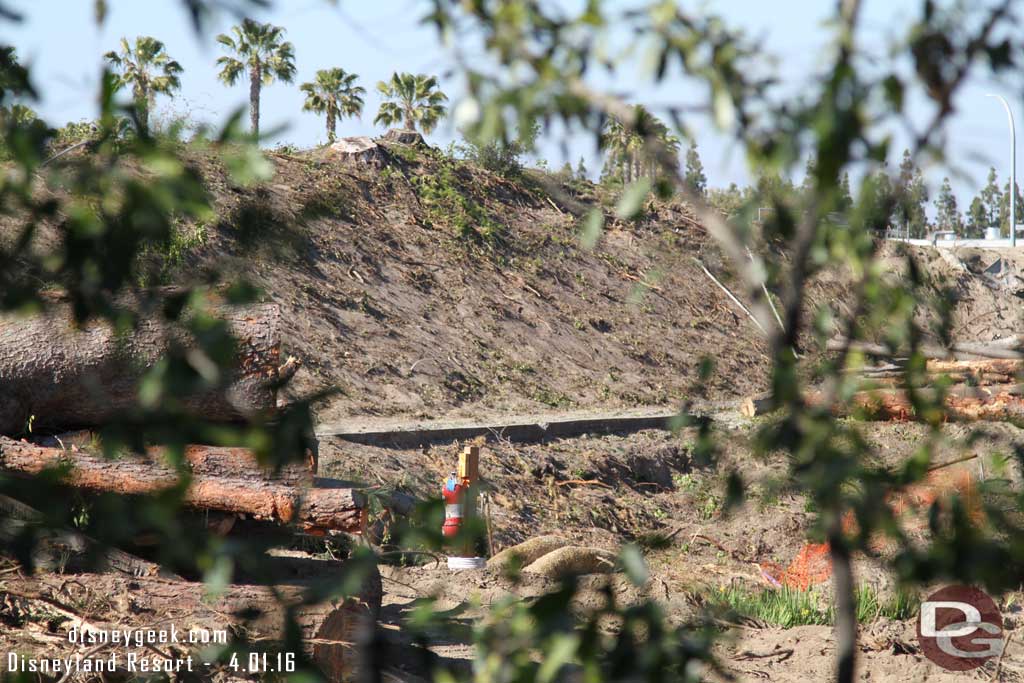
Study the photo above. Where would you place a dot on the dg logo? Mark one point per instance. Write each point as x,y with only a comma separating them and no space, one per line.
960,628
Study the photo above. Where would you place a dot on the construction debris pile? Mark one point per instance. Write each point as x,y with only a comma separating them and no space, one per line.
56,376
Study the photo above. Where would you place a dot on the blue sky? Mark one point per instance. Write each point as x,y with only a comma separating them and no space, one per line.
64,46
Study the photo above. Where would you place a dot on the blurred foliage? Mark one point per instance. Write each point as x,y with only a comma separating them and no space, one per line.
539,59
125,197
85,207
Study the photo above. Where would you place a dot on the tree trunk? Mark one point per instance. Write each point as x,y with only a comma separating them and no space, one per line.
212,461
142,105
64,550
331,123
61,377
255,81
410,120
331,631
314,510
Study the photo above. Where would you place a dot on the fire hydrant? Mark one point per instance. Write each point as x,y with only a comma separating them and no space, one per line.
459,493
452,491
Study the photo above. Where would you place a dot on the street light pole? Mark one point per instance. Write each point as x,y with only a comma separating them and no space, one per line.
1013,172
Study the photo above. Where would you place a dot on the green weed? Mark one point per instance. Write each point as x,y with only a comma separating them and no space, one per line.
788,607
448,204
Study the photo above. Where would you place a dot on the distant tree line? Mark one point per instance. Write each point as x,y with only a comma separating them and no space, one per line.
901,200
631,151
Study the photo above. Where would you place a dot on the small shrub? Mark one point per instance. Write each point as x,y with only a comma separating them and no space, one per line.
448,204
500,156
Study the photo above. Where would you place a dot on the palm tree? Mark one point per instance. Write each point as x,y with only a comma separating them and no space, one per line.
640,149
411,99
333,93
260,48
148,69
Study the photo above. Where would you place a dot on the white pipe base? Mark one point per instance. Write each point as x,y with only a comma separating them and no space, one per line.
458,563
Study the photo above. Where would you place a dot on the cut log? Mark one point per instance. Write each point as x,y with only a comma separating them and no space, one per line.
331,631
64,377
1008,348
755,405
66,549
995,366
241,463
963,403
213,461
314,510
979,372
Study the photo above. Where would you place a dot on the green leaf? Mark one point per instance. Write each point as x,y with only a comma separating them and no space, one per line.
248,165
893,87
632,561
724,110
632,199
593,226
561,652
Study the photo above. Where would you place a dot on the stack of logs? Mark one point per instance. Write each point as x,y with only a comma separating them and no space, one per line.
58,376
981,380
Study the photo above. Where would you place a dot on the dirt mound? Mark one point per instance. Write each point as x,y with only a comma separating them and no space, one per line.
573,560
527,552
981,287
430,288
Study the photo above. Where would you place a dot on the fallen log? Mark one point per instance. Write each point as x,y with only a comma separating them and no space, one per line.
97,604
314,510
996,366
65,549
212,461
962,403
59,376
978,372
1000,348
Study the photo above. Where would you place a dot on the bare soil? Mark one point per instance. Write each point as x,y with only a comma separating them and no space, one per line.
633,486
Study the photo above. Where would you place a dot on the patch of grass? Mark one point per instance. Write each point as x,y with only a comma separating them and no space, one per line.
169,256
902,606
785,607
448,204
684,482
788,607
552,398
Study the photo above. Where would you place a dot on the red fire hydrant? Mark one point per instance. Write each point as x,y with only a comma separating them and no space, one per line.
452,491
459,493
